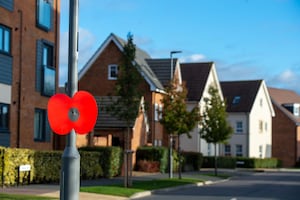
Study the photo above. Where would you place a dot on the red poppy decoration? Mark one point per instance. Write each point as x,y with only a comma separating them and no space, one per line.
78,113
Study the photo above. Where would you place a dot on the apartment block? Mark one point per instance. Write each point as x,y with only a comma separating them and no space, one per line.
29,52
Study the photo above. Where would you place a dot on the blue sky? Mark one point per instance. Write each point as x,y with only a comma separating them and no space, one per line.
247,39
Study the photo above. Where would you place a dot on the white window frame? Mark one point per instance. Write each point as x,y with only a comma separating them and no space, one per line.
238,150
110,68
156,114
239,129
227,150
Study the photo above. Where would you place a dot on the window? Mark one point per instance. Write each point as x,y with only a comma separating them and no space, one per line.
238,150
41,126
160,112
156,114
260,126
112,72
227,150
260,151
4,118
239,127
5,39
209,149
48,84
236,100
7,4
45,71
44,14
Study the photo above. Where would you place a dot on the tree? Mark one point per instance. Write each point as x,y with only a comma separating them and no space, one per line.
126,106
214,127
176,119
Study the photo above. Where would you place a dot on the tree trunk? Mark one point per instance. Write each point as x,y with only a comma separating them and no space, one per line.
216,161
179,157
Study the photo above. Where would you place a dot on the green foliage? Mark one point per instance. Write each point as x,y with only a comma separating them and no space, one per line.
241,162
110,159
214,125
90,165
126,107
176,119
47,165
159,154
12,159
192,159
223,162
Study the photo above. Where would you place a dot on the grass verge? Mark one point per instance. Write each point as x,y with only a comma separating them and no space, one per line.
23,197
138,186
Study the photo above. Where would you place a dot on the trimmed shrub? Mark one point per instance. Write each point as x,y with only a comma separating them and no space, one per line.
110,159
47,165
192,161
159,154
90,167
12,159
241,162
222,162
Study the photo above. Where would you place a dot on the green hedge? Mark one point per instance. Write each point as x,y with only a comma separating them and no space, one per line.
241,162
192,161
46,165
159,154
110,159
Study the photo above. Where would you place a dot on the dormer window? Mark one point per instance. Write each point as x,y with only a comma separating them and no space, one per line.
294,108
236,100
112,72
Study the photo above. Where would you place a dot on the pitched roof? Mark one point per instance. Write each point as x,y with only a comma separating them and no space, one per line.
162,69
140,59
283,96
106,120
243,92
195,76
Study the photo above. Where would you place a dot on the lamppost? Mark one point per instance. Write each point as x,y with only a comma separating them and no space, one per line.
171,56
171,136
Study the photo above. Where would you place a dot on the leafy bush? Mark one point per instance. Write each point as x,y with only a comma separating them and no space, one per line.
222,162
192,160
159,154
241,162
90,167
110,159
47,165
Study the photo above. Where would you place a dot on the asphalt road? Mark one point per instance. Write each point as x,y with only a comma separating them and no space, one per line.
246,186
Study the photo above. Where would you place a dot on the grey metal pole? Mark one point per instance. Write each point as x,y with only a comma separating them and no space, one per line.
171,157
70,173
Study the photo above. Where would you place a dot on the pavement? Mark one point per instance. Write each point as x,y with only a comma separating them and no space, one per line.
53,190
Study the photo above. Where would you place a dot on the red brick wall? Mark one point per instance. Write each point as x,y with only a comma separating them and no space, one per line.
283,138
22,22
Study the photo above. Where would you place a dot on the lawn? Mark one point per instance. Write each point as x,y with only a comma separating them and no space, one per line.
138,186
23,197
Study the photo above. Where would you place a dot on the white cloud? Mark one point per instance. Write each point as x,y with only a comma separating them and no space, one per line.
86,47
193,58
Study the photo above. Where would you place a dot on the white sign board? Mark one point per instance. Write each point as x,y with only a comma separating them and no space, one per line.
24,168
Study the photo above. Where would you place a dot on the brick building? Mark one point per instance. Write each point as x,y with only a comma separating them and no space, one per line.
29,39
286,126
99,76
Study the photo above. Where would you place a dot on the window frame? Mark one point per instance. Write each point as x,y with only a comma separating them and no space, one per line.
239,129
4,129
46,68
227,150
239,150
40,22
3,39
43,126
110,70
